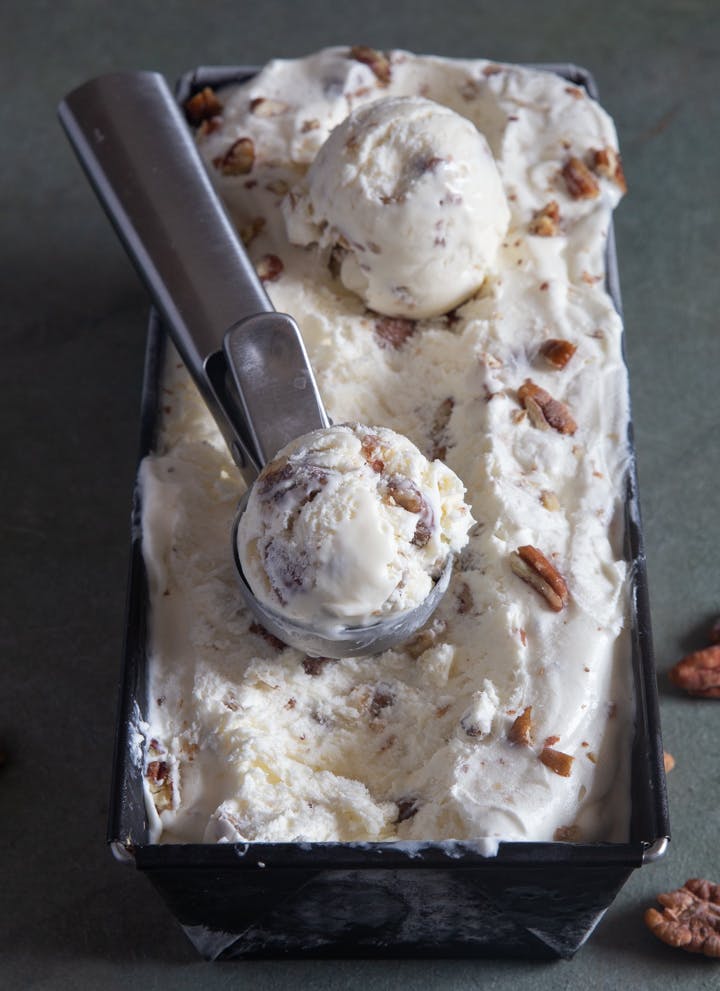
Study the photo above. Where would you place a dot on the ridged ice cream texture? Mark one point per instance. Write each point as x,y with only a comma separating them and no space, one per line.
408,194
350,525
256,741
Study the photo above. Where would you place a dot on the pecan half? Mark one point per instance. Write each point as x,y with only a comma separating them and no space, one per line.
269,268
690,918
557,352
394,331
580,182
546,221
521,730
238,159
375,60
557,761
544,411
607,162
533,567
202,106
699,673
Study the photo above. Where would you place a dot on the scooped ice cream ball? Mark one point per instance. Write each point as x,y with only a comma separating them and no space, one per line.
348,525
407,195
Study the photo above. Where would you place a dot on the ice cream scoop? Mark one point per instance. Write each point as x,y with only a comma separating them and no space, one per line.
406,194
248,361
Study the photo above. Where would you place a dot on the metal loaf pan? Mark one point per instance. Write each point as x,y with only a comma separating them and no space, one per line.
538,900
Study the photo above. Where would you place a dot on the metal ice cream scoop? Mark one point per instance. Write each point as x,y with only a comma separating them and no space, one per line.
248,361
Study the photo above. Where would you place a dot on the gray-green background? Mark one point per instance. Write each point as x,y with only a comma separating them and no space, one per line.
73,323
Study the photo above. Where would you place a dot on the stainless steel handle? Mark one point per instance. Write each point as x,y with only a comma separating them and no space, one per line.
136,149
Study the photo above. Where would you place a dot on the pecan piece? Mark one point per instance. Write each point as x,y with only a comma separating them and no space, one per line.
375,60
567,834
238,159
580,182
668,762
269,637
557,352
202,106
699,673
250,230
521,730
315,666
544,411
690,918
546,221
426,638
533,567
407,808
557,761
160,784
269,268
607,162
262,106
394,331
438,429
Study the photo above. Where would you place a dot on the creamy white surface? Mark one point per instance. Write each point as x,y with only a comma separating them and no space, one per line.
261,746
408,191
350,524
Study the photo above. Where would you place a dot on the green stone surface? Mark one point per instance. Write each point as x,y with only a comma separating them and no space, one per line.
73,331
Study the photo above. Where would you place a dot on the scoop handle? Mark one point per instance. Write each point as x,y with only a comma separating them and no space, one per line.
138,154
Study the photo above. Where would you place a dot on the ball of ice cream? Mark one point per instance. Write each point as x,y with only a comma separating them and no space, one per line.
407,193
348,525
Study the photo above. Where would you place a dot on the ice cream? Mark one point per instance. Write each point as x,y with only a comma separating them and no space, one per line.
510,716
349,525
407,194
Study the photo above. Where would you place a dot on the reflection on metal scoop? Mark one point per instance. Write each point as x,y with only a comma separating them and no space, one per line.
255,377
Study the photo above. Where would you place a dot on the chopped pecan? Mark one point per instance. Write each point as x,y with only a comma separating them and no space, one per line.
567,834
262,106
238,159
546,221
557,352
557,761
579,180
405,494
371,451
550,501
438,428
382,698
407,808
250,230
269,637
607,162
202,106
394,331
375,60
464,598
521,730
530,564
277,186
315,666
160,784
426,638
690,918
269,268
699,673
544,411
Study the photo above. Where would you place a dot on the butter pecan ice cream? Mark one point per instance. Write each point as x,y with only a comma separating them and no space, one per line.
407,194
510,715
349,525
